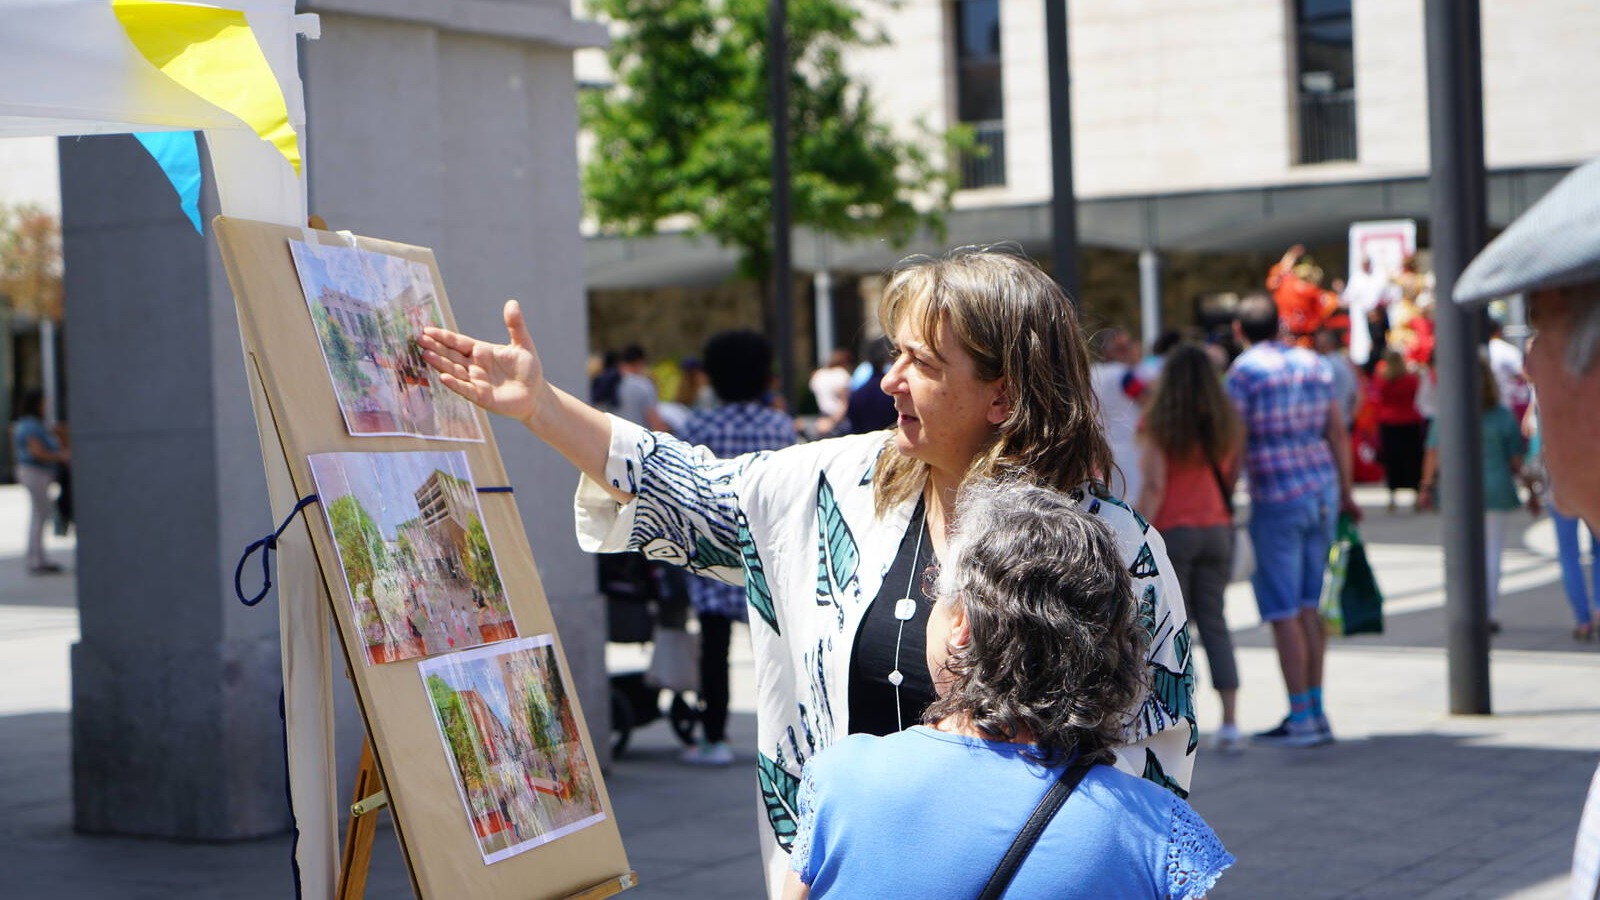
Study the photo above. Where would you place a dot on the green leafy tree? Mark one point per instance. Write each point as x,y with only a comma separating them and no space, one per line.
360,542
343,358
30,261
480,559
458,731
685,130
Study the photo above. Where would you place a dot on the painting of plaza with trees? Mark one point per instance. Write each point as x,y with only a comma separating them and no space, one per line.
506,720
368,309
417,561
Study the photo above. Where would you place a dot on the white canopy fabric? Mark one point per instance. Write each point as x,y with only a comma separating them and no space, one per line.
70,67
228,68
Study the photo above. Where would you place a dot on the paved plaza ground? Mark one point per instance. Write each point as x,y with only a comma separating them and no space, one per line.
1410,803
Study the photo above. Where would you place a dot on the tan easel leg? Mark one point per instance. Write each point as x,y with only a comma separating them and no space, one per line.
362,829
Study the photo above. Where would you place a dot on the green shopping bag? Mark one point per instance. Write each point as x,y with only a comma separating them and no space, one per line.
1361,600
1351,601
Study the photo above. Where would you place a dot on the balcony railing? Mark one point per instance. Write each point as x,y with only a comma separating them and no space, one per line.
987,166
1327,126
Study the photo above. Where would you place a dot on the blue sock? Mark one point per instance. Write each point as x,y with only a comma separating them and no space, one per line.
1300,707
1316,701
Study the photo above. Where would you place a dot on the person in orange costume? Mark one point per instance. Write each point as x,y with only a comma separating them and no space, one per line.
1296,285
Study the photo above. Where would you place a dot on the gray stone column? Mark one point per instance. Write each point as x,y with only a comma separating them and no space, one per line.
175,725
453,125
445,124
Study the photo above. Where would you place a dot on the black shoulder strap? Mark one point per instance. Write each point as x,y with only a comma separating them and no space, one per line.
1029,835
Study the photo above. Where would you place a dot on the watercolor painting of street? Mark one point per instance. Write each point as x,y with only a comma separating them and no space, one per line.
417,562
506,719
368,309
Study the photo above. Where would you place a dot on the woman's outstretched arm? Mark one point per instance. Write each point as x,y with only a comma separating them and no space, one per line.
508,379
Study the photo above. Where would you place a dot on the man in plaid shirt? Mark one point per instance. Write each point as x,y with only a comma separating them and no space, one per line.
1297,460
739,363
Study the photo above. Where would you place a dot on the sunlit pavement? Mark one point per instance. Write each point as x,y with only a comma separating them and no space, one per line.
1411,802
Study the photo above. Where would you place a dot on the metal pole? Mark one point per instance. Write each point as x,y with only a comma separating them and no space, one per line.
1455,137
782,265
1064,202
1149,296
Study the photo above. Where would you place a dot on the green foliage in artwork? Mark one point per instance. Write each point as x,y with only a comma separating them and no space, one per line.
360,543
456,723
536,706
685,134
480,559
405,554
344,361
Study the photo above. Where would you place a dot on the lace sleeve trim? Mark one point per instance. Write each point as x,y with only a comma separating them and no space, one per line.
800,853
1195,855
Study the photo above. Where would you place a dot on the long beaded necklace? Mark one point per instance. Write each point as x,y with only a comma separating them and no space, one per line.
905,609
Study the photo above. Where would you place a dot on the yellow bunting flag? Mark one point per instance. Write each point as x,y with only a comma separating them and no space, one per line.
214,54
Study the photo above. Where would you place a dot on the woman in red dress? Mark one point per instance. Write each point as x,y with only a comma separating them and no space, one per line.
1401,428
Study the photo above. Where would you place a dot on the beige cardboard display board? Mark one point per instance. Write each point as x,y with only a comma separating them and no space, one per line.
436,836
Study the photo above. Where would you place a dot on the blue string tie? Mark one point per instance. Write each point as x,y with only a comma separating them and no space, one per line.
269,544
266,545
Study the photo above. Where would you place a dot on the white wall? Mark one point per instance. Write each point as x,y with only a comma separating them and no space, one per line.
29,173
1189,95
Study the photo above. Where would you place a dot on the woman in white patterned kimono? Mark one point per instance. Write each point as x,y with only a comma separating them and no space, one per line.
831,538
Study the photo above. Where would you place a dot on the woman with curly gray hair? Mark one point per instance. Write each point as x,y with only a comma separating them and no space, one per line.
1037,650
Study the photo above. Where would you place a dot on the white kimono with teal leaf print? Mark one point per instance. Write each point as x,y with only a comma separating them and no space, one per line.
796,526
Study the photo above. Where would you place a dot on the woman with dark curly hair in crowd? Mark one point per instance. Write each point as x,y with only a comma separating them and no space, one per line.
1037,650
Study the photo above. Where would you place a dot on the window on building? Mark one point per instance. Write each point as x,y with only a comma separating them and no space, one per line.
1325,55
979,98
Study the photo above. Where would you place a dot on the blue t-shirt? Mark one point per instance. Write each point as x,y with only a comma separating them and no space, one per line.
29,428
923,813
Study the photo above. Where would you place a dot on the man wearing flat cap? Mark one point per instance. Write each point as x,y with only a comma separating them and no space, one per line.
1551,255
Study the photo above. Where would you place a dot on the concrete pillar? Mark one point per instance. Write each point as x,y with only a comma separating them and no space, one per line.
1149,296
429,123
462,137
175,726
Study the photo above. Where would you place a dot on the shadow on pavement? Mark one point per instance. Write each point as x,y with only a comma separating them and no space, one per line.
1401,816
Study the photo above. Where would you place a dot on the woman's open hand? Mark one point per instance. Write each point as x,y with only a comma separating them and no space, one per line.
507,379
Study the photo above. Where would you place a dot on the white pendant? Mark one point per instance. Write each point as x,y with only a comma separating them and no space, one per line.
905,609
895,678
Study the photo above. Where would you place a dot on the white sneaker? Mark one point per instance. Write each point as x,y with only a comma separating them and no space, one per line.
704,754
1228,739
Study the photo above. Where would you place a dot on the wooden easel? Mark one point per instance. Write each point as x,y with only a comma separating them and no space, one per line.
362,829
371,795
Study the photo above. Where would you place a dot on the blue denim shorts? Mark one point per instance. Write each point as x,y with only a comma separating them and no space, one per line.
1291,540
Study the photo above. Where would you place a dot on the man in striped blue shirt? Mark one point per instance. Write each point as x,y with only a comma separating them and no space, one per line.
1297,460
739,364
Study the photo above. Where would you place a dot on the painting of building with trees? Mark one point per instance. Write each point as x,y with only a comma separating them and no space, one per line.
506,719
417,561
368,309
